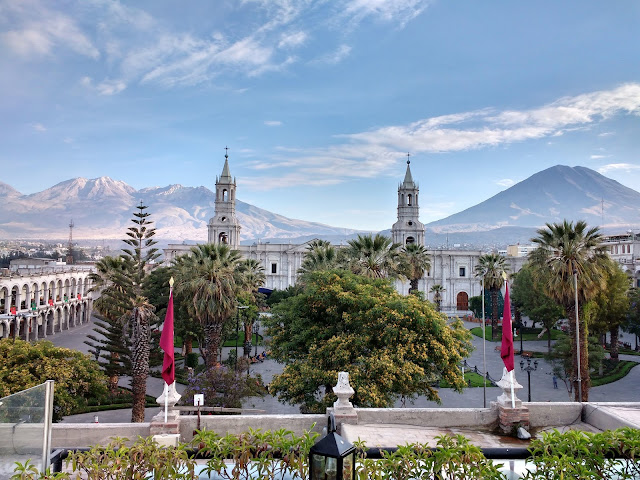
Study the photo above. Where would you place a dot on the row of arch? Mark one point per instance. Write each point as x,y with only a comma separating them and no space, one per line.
34,294
37,326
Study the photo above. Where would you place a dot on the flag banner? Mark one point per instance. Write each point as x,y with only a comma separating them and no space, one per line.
506,351
166,343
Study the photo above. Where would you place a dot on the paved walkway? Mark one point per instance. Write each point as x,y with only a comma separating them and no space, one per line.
542,389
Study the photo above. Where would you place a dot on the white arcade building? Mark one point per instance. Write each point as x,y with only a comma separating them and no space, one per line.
453,269
37,301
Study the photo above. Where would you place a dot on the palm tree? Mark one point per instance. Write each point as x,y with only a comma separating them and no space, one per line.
251,278
492,268
122,283
374,257
415,261
565,249
437,291
110,345
209,276
320,255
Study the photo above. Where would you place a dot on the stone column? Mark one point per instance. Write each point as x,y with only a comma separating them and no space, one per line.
510,418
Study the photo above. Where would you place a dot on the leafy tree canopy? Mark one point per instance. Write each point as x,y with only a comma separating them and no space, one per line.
391,345
24,365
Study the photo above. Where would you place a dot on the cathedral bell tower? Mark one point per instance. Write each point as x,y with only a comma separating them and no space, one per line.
224,226
408,228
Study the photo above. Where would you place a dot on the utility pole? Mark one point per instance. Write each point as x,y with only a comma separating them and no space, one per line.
70,246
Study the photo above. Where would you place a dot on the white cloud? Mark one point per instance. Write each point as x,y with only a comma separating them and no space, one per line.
294,39
616,167
377,152
38,127
37,31
598,157
335,57
606,134
505,182
272,123
401,11
106,87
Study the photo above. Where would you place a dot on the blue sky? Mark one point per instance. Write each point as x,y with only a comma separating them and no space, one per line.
319,102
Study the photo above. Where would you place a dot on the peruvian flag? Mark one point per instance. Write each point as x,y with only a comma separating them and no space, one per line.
506,351
166,343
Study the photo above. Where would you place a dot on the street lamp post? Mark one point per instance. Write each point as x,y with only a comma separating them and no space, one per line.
238,308
575,284
529,369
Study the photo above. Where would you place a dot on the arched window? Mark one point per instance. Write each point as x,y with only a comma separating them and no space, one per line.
225,195
409,199
223,219
410,240
223,238
462,301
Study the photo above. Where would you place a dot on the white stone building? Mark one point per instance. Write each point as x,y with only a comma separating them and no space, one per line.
454,269
39,301
625,249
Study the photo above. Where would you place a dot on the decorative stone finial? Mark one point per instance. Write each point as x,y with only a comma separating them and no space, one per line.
505,385
172,396
343,391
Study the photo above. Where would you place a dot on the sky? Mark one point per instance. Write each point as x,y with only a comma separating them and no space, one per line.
319,102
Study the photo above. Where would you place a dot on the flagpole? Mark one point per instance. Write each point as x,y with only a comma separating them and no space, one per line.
484,353
170,347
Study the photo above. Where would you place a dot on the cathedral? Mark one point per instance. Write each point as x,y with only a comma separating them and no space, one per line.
453,269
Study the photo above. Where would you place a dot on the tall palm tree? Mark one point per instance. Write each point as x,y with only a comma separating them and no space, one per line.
565,249
251,277
208,275
122,280
320,255
492,268
374,257
415,261
437,291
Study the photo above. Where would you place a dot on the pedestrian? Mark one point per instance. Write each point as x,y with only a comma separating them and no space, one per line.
555,382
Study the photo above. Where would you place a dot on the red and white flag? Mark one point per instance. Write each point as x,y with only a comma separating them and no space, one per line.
506,351
166,343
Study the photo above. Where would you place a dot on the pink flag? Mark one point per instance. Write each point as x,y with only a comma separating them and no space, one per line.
166,343
506,351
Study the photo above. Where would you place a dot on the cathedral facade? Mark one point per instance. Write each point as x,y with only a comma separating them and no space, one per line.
453,269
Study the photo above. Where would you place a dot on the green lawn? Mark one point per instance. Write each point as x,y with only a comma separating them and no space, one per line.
555,334
473,380
614,373
231,342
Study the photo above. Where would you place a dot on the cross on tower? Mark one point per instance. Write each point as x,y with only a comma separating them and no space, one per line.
226,152
408,161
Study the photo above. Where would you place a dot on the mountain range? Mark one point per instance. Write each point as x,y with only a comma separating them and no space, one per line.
101,209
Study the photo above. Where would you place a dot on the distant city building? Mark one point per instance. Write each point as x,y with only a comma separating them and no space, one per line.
451,268
33,262
520,250
625,249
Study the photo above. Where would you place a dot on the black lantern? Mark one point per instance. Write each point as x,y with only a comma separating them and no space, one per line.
332,457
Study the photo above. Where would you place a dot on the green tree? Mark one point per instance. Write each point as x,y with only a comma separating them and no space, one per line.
561,359
612,305
391,345
632,322
121,283
415,260
374,257
565,248
110,344
437,291
492,268
209,277
528,295
475,305
320,255
25,365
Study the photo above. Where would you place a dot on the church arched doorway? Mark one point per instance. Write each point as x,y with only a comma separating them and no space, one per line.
462,301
